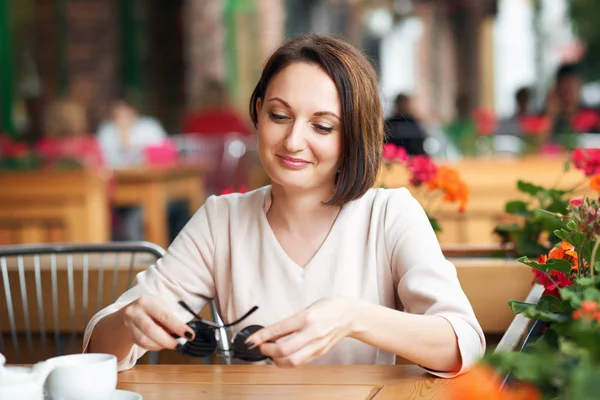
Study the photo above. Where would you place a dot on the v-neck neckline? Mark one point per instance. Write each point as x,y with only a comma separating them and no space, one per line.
265,208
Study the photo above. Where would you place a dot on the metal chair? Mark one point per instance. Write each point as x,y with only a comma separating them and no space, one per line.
51,290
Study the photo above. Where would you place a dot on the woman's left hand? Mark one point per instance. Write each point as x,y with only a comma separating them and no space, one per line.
307,335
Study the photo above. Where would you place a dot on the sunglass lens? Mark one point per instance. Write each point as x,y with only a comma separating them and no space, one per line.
239,347
204,344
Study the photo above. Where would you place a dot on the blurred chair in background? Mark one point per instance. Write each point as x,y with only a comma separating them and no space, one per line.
233,158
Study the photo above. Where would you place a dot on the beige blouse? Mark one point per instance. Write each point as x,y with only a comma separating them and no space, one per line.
381,249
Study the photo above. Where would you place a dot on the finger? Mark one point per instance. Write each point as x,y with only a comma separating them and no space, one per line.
154,332
277,330
143,341
306,354
168,320
284,348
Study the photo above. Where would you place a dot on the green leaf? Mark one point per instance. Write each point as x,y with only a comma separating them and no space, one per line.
546,316
562,234
516,207
529,188
519,306
572,225
551,304
435,224
551,265
585,383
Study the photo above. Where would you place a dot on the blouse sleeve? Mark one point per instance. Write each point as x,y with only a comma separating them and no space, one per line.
427,281
184,273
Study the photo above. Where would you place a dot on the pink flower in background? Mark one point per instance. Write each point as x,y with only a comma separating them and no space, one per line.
587,160
551,149
423,169
10,148
392,153
576,202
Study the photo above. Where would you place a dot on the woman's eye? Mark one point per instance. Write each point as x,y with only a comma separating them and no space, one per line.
278,117
325,129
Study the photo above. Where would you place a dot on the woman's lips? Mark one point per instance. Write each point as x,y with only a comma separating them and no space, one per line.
292,163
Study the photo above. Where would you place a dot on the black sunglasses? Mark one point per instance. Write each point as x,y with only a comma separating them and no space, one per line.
205,340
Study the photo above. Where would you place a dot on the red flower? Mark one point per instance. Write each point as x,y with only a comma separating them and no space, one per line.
12,149
535,125
587,160
423,169
392,153
552,283
585,121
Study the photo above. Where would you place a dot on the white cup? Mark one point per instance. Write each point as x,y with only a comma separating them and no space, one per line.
82,376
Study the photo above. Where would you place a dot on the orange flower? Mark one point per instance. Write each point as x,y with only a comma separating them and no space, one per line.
565,251
455,190
588,311
595,183
483,383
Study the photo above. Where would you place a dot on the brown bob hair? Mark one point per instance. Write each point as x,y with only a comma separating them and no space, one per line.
362,115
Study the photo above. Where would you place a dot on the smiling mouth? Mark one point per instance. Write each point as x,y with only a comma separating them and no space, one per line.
291,162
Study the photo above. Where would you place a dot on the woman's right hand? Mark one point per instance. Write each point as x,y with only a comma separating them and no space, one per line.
151,326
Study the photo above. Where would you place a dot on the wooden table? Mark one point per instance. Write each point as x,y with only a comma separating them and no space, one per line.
152,187
265,381
53,206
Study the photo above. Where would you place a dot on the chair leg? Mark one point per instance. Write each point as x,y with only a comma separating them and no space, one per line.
153,357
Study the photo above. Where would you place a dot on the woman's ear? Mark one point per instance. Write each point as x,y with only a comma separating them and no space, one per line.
258,107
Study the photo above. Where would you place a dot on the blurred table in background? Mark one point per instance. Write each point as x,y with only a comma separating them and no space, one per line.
152,187
492,182
53,206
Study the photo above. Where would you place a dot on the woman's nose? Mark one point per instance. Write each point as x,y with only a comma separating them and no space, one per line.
295,140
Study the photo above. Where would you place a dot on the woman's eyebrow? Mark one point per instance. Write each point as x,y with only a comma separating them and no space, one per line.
317,114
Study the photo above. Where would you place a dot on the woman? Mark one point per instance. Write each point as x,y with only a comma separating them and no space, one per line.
323,255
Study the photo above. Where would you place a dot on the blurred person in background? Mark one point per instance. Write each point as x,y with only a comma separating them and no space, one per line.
214,124
523,109
216,115
403,128
124,137
65,135
523,102
565,108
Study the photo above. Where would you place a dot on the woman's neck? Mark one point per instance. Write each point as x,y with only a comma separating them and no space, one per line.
300,212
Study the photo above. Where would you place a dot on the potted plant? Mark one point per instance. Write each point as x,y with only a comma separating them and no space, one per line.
561,356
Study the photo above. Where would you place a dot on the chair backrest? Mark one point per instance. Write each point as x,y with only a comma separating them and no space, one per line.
49,292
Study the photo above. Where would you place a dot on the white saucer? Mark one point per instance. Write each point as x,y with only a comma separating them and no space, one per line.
125,395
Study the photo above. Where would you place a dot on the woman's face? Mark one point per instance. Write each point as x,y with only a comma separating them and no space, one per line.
300,128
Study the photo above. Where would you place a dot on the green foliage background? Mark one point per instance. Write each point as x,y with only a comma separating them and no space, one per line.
586,16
